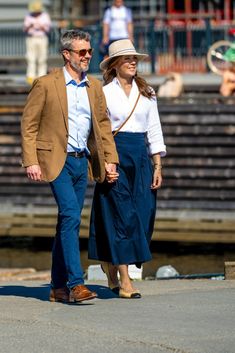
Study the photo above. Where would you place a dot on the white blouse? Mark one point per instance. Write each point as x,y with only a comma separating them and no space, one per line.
145,117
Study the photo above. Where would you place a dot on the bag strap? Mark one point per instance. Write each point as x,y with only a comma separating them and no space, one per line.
115,132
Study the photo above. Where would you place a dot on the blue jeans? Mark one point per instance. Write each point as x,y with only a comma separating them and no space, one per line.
69,191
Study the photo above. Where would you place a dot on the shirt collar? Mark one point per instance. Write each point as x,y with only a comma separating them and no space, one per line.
70,80
116,81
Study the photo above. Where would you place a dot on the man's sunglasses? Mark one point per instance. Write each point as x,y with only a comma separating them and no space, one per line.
82,52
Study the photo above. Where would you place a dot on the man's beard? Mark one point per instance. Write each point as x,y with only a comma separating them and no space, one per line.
79,68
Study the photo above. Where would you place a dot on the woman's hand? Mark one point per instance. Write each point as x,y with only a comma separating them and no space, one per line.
157,171
157,179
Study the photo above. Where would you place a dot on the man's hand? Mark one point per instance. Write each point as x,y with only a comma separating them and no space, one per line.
111,172
34,172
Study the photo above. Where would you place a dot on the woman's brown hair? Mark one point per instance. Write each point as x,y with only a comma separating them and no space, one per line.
110,72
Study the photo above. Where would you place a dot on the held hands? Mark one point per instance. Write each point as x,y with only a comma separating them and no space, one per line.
111,172
157,179
34,172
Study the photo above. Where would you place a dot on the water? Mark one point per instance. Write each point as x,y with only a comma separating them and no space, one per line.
185,258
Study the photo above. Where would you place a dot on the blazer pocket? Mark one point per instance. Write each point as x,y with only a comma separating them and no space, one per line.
44,145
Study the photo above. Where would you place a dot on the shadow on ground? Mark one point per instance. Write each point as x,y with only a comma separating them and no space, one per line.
42,292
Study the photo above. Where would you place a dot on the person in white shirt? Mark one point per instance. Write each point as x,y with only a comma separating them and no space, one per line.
37,24
123,213
117,24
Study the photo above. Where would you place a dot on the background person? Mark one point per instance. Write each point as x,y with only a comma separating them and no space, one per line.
65,127
37,24
172,86
227,87
117,24
123,213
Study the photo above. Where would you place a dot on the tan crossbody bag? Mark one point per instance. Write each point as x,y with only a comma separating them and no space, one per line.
116,131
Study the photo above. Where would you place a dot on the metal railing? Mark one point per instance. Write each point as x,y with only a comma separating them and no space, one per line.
170,48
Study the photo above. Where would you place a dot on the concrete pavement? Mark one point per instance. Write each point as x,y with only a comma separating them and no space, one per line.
180,316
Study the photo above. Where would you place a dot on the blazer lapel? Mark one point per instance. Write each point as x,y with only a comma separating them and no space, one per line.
62,95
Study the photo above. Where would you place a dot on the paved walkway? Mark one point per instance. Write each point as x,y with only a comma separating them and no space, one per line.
174,316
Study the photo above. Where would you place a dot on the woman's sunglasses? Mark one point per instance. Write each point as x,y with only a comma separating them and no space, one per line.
82,52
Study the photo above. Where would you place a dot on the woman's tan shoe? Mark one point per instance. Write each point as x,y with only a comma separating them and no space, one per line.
113,286
129,295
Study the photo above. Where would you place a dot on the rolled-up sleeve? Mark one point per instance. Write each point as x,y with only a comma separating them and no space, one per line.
154,132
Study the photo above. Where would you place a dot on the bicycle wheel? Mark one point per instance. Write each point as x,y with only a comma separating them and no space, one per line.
215,59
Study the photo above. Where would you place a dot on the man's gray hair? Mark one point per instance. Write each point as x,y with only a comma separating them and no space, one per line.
69,36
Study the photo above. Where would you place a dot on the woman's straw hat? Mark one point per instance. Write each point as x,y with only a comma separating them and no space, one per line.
119,48
35,6
230,54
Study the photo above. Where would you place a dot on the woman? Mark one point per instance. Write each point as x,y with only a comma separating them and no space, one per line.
123,211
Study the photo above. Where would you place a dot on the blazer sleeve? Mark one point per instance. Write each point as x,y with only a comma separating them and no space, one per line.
30,123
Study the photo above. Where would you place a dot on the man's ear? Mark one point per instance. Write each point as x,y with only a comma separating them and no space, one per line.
66,54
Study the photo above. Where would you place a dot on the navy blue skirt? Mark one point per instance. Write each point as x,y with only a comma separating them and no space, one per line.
123,213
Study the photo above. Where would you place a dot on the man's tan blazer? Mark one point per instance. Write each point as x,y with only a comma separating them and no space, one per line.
44,127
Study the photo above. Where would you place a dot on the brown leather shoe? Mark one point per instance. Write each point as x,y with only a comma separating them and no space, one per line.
80,293
59,295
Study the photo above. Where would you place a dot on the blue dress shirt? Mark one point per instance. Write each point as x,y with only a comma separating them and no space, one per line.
79,113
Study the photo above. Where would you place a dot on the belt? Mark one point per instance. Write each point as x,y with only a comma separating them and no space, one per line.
77,154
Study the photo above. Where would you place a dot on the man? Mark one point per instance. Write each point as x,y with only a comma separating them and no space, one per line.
227,87
64,127
37,24
117,24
